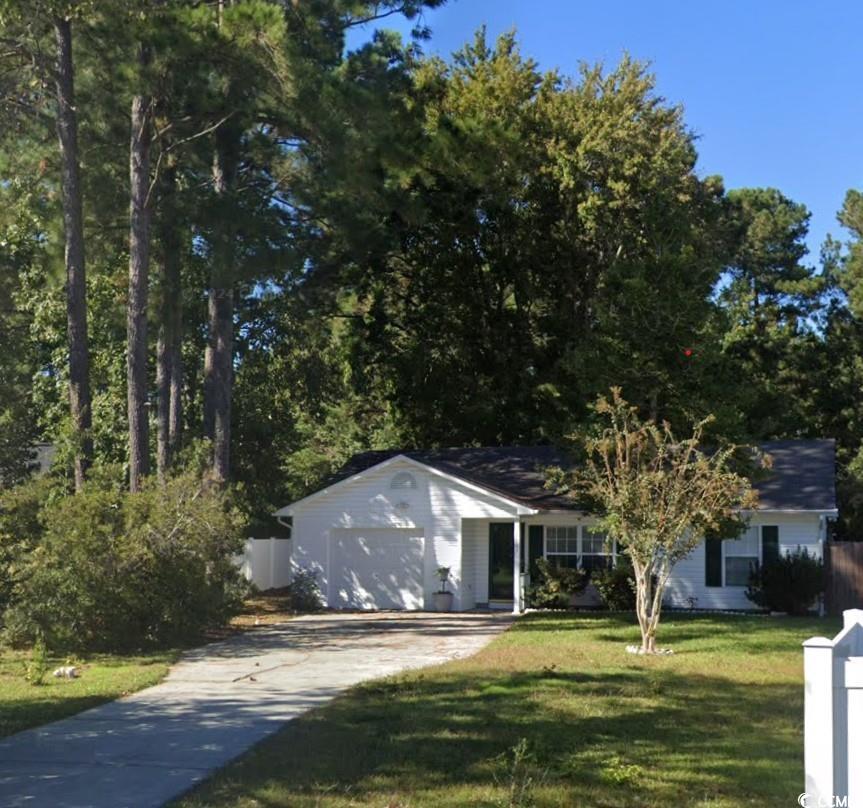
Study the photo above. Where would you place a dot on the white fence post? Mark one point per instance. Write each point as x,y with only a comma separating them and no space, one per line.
818,718
833,744
854,745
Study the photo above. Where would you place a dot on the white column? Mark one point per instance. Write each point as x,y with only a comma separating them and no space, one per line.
516,567
818,716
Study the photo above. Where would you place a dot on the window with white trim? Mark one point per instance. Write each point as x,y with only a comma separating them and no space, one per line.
561,545
575,546
741,557
596,551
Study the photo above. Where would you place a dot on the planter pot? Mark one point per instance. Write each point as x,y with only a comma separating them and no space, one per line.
442,601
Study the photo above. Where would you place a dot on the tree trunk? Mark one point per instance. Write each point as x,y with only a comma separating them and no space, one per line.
169,362
218,374
648,601
218,360
136,312
73,225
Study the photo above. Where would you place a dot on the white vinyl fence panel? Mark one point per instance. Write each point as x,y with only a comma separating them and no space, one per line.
266,562
833,712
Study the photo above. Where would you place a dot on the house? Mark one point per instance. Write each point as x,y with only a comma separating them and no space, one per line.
378,531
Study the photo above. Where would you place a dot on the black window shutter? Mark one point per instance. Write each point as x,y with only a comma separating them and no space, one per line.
713,562
769,543
535,535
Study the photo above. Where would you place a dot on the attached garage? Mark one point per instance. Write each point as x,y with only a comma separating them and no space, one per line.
380,568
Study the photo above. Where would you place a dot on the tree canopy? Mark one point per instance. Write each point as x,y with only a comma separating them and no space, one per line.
366,247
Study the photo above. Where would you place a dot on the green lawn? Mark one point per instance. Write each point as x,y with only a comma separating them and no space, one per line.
103,677
718,724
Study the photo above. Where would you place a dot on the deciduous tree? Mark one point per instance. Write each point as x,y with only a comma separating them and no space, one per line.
658,496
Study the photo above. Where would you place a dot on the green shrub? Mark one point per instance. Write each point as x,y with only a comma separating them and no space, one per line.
38,665
113,571
20,530
790,583
303,593
556,586
616,586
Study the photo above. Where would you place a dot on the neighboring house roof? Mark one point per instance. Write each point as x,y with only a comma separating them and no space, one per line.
803,476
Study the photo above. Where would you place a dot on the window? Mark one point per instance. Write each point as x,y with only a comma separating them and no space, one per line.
403,480
561,545
596,552
571,546
741,557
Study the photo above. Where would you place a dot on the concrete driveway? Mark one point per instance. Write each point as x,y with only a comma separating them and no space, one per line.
218,701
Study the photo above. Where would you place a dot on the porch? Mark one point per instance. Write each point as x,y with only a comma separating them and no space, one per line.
498,557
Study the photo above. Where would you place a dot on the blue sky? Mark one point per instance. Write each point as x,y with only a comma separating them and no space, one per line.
771,87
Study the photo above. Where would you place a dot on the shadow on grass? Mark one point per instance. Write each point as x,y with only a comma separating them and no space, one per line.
42,709
630,737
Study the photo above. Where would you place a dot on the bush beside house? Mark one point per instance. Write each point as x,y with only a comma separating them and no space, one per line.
556,586
789,583
110,570
616,586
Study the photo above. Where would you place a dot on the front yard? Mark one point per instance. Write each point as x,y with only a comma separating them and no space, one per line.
103,677
554,713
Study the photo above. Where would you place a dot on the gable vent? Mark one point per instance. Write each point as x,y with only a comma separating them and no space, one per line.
402,481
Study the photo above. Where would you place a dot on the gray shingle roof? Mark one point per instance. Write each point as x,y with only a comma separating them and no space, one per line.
803,476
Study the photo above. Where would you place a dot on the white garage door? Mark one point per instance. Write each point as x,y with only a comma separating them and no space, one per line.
377,569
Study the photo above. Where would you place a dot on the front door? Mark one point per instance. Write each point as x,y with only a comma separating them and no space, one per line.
500,560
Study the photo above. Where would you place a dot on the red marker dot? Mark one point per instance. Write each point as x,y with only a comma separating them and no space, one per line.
687,351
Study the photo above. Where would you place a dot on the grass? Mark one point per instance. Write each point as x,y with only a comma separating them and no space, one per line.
103,677
554,713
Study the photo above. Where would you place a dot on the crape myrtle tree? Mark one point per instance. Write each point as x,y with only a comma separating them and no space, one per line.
658,496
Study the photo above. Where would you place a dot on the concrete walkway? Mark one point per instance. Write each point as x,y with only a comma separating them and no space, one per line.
221,699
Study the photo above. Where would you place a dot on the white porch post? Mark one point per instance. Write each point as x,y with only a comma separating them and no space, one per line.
516,567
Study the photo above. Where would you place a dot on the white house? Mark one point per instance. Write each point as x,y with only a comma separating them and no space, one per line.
378,531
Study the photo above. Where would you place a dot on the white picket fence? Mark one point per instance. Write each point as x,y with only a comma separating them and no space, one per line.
833,750
266,562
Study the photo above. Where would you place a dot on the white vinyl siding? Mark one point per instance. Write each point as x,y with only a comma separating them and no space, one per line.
436,505
796,530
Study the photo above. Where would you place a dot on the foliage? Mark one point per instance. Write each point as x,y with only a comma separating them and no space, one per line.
110,570
38,665
656,495
790,583
405,236
556,585
467,295
520,778
303,594
20,219
616,585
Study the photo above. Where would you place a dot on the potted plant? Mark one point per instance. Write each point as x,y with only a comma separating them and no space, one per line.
442,599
